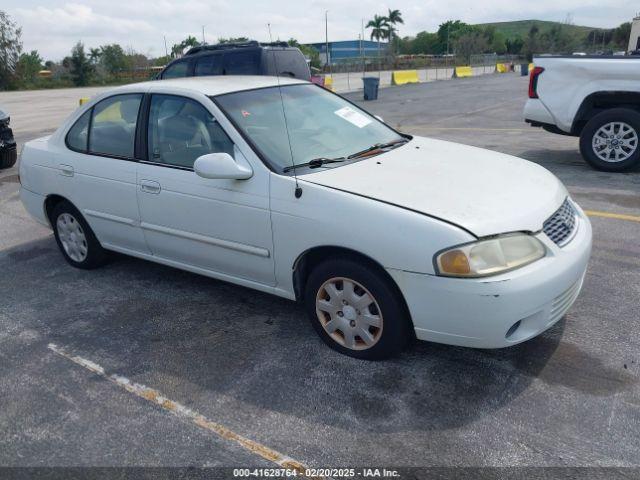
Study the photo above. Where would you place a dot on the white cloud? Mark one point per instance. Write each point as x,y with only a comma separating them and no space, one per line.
142,24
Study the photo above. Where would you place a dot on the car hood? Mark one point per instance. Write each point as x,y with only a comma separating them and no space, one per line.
482,191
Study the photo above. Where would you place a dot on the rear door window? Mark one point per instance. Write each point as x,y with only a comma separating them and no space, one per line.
177,70
209,65
113,126
242,63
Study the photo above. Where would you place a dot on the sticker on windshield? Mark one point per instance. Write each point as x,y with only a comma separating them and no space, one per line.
353,117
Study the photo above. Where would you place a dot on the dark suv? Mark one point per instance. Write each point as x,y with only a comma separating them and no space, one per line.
251,58
8,153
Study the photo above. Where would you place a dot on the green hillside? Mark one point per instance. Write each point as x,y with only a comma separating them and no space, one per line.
521,28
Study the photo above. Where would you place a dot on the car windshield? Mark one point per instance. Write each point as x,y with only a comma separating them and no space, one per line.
321,125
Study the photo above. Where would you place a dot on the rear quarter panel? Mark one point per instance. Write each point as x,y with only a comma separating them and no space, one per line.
567,81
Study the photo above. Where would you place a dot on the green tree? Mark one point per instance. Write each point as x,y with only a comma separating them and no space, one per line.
308,51
425,43
532,42
80,67
113,58
10,50
394,17
558,39
94,55
514,45
178,48
448,33
379,30
495,39
621,35
233,40
29,65
470,43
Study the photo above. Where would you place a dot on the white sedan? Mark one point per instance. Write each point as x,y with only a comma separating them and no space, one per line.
284,187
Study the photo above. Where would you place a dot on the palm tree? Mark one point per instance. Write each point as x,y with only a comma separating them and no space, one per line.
94,55
394,17
379,30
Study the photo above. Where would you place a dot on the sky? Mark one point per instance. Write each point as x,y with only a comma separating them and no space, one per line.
53,27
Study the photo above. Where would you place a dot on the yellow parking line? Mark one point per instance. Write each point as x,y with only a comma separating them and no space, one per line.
155,397
617,216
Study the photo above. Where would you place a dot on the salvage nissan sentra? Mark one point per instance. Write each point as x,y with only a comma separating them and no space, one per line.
284,187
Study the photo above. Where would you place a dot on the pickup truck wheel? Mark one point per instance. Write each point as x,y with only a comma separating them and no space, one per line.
355,310
76,240
610,140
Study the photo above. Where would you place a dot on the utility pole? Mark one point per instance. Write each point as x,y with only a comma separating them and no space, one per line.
362,47
166,51
448,30
203,41
326,37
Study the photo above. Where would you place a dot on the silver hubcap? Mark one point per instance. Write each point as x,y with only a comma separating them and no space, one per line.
72,237
615,142
349,313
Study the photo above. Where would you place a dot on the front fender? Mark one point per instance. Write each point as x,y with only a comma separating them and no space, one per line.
392,236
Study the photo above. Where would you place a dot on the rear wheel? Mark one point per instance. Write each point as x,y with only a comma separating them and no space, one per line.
355,310
610,140
76,240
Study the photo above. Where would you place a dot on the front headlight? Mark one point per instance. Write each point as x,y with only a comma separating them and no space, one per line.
489,257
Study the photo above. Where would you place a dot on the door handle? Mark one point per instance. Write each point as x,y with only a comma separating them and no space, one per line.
149,186
66,170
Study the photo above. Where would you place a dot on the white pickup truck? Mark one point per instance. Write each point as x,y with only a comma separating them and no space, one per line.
594,98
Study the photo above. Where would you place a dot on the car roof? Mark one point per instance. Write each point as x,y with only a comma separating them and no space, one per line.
211,85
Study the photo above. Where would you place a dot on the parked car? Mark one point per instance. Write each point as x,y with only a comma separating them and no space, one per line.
8,153
594,98
251,58
284,187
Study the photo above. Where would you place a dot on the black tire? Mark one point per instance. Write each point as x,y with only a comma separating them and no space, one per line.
95,256
624,115
396,329
8,158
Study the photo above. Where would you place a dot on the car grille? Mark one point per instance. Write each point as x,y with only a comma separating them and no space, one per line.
560,226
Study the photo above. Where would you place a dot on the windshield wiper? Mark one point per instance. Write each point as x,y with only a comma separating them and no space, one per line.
315,163
378,146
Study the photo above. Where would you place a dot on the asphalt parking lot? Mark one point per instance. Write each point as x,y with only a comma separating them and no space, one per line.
251,363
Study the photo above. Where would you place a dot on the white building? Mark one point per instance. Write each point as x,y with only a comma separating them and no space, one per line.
634,38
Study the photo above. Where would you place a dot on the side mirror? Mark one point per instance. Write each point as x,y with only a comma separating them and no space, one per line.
221,166
379,118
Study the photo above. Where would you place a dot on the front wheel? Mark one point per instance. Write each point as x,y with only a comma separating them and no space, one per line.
355,310
609,141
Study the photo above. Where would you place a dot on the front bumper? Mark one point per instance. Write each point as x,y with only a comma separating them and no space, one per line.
480,312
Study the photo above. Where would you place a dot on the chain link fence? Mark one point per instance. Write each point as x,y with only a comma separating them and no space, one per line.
416,62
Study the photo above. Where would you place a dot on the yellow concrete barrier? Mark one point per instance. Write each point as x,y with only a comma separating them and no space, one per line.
328,83
531,66
460,72
402,77
83,100
502,68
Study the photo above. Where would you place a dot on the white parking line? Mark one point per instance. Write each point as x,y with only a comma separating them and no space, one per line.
154,396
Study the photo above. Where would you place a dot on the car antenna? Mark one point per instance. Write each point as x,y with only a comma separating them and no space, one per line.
298,190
